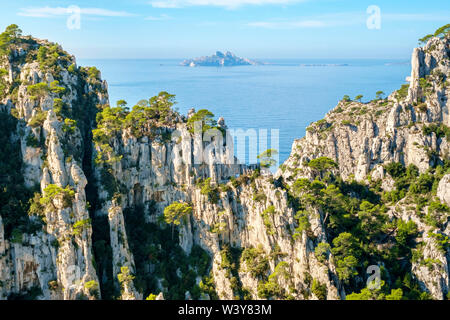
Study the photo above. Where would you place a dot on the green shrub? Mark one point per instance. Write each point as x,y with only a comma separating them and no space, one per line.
32,141
38,90
38,120
267,219
303,223
267,159
177,212
69,125
319,290
406,231
402,92
203,117
322,251
125,277
269,289
395,169
442,241
79,226
36,208
56,88
256,261
93,73
93,288
53,191
17,236
210,190
260,197
441,131
151,297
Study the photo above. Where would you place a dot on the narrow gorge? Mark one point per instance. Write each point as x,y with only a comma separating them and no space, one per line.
110,202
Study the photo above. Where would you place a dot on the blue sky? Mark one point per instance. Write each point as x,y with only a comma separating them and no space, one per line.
250,28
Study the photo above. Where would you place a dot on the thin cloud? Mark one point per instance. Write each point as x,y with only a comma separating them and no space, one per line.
217,3
51,12
342,19
161,17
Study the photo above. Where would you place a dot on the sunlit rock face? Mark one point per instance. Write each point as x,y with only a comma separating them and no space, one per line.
97,229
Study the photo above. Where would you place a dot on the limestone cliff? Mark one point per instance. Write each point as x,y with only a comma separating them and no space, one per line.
48,254
87,190
410,127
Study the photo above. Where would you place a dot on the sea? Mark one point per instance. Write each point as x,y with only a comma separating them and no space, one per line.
282,94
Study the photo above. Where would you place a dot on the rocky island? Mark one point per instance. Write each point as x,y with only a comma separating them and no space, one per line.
105,202
219,59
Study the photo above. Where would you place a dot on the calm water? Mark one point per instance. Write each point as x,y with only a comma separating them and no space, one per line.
283,95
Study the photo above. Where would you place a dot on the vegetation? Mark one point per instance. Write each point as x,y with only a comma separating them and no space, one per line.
145,119
93,288
9,37
69,125
125,277
266,159
402,92
440,33
79,226
151,243
202,118
38,120
358,228
322,251
256,261
209,190
52,58
38,90
3,83
267,218
379,95
319,290
441,131
176,213
54,192
14,196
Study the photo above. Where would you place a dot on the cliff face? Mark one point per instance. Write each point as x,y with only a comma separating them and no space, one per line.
85,188
410,127
360,136
47,254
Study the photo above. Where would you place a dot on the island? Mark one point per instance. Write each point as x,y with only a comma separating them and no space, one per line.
220,59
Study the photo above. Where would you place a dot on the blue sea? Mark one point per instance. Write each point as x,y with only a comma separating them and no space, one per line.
284,94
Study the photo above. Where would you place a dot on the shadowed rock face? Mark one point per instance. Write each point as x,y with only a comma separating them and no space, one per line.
90,242
220,59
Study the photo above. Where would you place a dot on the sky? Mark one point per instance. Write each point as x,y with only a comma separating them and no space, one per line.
136,29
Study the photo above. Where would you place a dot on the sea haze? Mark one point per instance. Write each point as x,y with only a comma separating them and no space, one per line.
285,94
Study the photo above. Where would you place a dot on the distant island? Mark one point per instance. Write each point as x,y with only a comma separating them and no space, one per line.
219,59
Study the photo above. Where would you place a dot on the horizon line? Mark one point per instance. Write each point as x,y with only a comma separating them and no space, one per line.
299,58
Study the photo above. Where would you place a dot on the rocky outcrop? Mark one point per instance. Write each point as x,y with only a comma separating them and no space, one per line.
55,261
219,59
409,127
246,235
359,136
443,191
